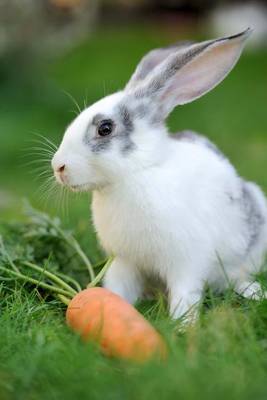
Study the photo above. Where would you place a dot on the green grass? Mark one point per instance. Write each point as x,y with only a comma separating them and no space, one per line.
225,354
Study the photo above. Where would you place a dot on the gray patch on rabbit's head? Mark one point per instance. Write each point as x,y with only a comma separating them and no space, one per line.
123,127
126,118
98,118
97,144
100,145
141,109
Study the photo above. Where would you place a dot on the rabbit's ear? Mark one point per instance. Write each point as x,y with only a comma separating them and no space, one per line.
191,72
151,60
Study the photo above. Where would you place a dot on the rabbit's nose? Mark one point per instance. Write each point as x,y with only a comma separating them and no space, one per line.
61,173
61,168
58,163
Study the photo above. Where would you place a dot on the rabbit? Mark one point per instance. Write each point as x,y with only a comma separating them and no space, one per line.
166,206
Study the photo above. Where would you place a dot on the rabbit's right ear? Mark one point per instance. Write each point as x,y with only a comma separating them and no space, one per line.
168,79
151,60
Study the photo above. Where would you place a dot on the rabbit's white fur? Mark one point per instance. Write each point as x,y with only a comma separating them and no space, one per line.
173,207
182,220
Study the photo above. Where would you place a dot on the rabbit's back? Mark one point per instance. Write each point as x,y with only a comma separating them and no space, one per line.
198,139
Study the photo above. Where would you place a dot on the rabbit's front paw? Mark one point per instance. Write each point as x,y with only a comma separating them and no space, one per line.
123,279
250,290
184,302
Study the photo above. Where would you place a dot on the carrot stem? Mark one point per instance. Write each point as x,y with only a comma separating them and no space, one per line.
64,299
100,263
50,275
98,278
85,259
36,282
69,279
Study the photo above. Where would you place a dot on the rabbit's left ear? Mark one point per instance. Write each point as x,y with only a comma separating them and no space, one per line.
189,73
151,60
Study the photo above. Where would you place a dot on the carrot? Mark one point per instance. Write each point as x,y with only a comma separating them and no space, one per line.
101,316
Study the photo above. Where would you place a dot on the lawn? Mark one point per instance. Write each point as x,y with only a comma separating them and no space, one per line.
225,354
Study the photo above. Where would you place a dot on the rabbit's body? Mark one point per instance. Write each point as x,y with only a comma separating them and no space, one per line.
168,206
160,222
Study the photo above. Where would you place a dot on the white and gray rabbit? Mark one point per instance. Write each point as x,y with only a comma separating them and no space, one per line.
170,206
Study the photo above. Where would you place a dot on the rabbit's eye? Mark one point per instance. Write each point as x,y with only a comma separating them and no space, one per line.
105,128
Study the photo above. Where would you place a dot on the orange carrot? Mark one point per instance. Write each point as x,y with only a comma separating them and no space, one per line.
121,331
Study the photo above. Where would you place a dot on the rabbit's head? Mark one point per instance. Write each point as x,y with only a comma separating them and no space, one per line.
124,132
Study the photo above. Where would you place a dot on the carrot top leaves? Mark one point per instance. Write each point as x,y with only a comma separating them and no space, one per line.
41,254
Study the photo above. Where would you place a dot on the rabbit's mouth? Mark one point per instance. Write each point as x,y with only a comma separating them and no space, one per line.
87,186
83,187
